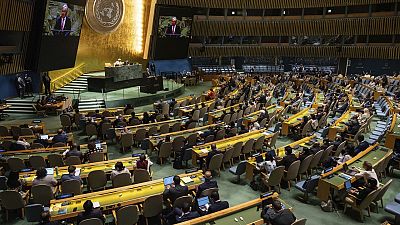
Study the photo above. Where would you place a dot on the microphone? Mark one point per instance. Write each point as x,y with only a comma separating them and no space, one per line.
242,219
236,220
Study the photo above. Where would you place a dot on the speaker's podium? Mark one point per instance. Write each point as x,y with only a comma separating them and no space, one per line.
125,76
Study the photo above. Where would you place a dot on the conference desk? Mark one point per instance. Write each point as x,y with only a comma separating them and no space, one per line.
25,154
213,115
394,133
339,126
296,120
250,212
251,164
333,179
202,151
319,100
252,117
354,103
116,197
35,127
185,110
134,129
85,169
31,138
111,119
183,133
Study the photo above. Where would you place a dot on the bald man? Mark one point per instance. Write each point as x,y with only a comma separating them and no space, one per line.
208,183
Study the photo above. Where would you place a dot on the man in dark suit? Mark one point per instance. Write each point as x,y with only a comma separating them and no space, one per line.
185,214
288,159
74,151
214,151
90,212
63,23
217,204
208,183
173,29
175,191
276,215
61,136
362,146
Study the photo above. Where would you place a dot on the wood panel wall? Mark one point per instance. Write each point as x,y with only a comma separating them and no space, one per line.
350,26
261,4
16,15
377,52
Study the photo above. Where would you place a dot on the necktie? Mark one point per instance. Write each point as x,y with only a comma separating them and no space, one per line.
173,30
62,23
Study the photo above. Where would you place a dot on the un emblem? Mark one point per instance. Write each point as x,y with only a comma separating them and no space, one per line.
104,16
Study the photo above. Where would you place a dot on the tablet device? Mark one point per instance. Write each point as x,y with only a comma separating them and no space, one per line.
98,146
168,180
62,196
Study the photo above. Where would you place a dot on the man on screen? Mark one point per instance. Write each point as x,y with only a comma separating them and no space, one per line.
173,29
63,23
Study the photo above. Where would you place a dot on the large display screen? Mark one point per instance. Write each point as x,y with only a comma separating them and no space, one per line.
55,45
173,26
173,32
63,19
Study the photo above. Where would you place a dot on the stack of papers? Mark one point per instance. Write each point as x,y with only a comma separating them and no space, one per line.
187,180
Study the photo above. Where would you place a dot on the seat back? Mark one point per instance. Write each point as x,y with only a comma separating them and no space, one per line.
228,155
276,176
91,221
11,200
91,130
311,184
71,186
382,190
248,146
140,134
191,125
36,146
59,144
220,135
293,170
122,179
176,127
96,157
153,206
274,138
65,120
37,161
126,140
241,168
327,152
33,212
55,160
209,138
164,129
368,200
178,203
215,162
4,131
305,164
165,150
16,164
152,131
259,143
3,183
237,149
209,191
73,160
316,159
340,148
191,140
141,175
97,180
128,215
42,194
178,143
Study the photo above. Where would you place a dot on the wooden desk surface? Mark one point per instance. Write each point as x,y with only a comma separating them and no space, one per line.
187,109
31,138
247,210
116,197
25,154
222,145
106,166
298,117
133,129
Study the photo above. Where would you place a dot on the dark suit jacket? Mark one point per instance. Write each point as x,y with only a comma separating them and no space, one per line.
217,206
95,213
175,192
287,161
60,138
74,153
283,217
187,217
206,185
67,27
177,30
361,147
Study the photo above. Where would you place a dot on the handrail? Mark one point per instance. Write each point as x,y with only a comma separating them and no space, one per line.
67,77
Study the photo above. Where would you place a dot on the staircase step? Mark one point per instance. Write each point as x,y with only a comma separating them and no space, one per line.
91,100
91,107
12,111
84,82
20,104
90,103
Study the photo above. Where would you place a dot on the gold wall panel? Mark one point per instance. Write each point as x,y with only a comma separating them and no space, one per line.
377,52
16,16
268,4
345,26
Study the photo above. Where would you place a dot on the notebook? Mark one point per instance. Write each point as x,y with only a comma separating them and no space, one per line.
186,180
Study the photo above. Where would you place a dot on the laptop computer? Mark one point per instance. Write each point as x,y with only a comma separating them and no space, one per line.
44,136
348,171
203,202
50,171
168,180
98,146
347,185
328,170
